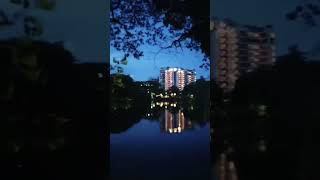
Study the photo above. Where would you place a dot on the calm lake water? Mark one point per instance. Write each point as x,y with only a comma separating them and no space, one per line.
165,144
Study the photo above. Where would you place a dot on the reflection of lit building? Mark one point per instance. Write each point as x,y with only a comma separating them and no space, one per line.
174,122
166,104
176,77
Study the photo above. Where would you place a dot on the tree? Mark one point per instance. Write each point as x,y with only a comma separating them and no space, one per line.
157,22
35,69
46,118
154,79
295,56
289,95
32,25
308,12
174,89
125,93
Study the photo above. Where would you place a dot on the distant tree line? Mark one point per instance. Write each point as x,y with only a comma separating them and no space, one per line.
279,106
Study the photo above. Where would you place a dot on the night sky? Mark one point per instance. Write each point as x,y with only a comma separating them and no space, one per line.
81,24
263,12
149,65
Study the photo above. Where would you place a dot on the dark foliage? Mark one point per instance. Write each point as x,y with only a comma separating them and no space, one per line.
53,117
279,106
307,12
181,23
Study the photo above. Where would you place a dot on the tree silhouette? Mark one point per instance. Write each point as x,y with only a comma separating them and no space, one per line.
174,89
31,24
154,22
288,93
308,12
45,115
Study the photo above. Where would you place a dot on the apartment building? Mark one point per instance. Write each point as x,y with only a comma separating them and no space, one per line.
237,49
178,77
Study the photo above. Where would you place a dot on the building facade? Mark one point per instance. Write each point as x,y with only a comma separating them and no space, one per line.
238,49
176,77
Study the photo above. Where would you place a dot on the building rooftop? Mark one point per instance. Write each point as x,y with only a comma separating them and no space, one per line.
247,27
176,68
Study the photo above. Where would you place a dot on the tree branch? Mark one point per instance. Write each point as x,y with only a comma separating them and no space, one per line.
4,20
179,40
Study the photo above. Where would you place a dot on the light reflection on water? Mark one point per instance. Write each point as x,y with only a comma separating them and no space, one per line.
174,122
167,144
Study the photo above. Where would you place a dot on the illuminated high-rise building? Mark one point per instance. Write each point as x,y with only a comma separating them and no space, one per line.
190,76
176,77
237,49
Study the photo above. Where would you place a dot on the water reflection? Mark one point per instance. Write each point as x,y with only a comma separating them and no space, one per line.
141,150
174,122
164,104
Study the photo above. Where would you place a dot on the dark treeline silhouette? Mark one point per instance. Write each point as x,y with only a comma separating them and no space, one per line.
52,113
218,121
276,106
307,12
130,101
196,100
125,93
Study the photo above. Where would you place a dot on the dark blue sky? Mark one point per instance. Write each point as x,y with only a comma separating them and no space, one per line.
251,12
149,65
263,12
81,24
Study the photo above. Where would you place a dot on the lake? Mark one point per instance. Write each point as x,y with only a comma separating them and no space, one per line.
164,143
